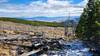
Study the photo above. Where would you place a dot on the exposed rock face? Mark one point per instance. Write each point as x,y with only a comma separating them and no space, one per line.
48,31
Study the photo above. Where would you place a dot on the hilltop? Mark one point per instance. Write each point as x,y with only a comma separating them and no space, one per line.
33,23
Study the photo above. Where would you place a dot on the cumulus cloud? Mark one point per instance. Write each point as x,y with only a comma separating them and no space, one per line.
38,8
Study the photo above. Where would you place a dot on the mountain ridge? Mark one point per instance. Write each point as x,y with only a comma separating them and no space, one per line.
34,23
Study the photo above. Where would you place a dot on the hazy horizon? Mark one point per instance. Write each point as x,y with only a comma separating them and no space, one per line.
51,10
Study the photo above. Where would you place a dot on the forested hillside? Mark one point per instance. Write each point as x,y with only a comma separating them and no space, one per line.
34,23
88,28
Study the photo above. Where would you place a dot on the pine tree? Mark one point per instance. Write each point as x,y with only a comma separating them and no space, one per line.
89,24
88,28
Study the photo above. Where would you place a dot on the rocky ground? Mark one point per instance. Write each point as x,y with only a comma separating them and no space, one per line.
11,27
71,48
10,30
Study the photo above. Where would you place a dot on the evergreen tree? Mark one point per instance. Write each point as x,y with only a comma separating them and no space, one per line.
89,25
88,28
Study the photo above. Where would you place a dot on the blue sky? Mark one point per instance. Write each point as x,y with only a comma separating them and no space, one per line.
28,1
41,8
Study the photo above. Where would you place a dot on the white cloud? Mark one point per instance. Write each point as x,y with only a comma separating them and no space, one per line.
83,3
52,8
60,2
2,1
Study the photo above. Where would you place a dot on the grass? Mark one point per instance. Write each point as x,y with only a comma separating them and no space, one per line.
33,23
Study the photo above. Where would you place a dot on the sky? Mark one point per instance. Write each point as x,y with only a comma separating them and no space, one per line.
29,9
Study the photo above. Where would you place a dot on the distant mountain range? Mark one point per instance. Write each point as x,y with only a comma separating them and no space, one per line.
53,19
33,23
42,21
